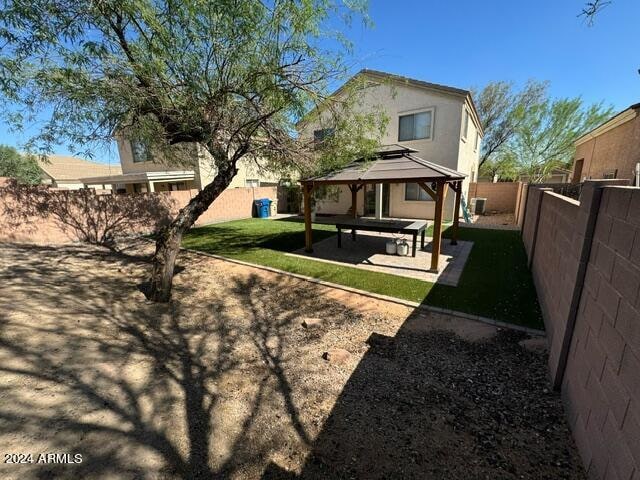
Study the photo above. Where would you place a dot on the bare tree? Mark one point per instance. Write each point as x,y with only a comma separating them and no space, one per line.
223,79
591,9
502,109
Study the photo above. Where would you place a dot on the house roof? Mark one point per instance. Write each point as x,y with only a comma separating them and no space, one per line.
142,177
391,164
459,92
63,167
413,81
619,118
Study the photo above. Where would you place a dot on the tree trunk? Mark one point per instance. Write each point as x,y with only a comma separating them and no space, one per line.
170,237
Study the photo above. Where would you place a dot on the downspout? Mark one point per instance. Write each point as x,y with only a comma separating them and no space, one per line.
638,174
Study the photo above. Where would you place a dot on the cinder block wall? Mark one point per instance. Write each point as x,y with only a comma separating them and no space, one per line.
501,197
44,216
594,334
530,224
555,265
601,384
232,204
521,204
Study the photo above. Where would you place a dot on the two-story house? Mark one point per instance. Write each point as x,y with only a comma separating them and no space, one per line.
142,173
438,121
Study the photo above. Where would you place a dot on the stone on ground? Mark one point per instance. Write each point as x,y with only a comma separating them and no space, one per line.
311,322
336,356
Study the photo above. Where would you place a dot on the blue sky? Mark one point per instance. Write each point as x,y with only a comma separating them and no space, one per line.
468,43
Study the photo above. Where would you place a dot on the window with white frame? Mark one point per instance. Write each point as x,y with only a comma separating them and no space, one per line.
320,135
140,152
465,125
416,126
252,182
415,193
475,145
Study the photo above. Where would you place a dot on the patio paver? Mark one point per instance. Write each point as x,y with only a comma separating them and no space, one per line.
368,253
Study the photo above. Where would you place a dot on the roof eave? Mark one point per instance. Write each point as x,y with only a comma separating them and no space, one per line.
618,119
167,176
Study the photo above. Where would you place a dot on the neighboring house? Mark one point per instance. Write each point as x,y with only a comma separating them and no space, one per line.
557,175
611,150
440,122
142,173
62,171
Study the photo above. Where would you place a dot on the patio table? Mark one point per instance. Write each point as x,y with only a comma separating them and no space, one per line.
409,227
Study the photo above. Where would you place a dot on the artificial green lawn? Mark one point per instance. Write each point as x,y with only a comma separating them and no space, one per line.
495,283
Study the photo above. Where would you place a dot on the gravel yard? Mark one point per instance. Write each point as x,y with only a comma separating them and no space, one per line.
226,382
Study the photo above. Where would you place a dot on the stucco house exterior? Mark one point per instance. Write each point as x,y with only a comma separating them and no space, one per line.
67,172
612,150
142,173
438,121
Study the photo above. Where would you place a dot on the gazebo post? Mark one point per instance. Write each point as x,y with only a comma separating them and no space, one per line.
307,188
354,199
457,187
441,191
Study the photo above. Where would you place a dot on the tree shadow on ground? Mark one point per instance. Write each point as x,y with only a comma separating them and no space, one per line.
224,383
427,403
87,366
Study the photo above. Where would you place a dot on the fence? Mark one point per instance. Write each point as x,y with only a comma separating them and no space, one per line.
571,190
37,214
585,261
501,197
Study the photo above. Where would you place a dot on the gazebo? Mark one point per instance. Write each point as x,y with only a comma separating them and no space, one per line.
392,164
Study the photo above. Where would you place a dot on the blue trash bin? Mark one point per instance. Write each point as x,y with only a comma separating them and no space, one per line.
263,207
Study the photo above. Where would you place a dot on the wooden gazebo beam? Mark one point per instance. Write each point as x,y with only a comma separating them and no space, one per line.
441,192
359,182
427,189
307,189
355,188
457,187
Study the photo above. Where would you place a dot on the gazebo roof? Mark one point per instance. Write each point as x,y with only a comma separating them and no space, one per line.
391,164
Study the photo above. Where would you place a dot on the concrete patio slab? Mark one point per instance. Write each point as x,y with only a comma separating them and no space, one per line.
368,252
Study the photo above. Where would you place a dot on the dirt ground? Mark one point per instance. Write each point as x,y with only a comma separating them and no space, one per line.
225,382
495,221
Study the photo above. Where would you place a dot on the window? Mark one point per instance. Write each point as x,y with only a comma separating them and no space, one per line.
465,125
414,193
611,174
320,135
140,152
416,126
140,188
252,182
328,193
473,176
475,145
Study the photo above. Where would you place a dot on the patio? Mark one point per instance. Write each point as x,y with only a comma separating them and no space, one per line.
368,253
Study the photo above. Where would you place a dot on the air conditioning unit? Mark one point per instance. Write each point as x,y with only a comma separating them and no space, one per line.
478,205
